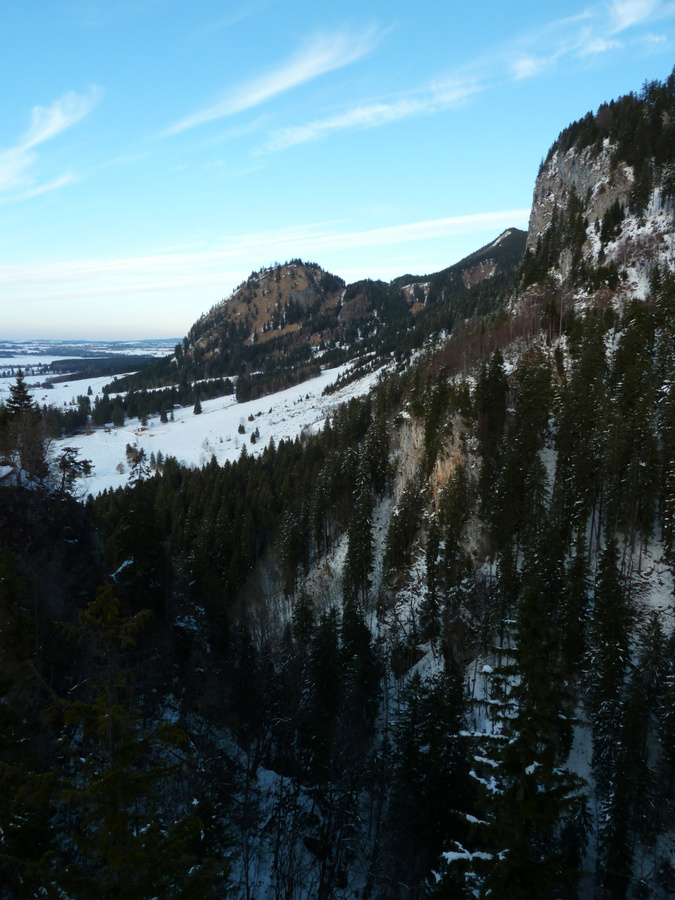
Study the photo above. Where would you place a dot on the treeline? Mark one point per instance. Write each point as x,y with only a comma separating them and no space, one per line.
143,404
106,410
261,384
96,367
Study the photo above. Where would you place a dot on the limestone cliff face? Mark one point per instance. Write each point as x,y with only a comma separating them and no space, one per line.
590,176
408,445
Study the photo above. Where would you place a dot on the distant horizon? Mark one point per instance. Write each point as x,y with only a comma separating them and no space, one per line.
361,276
154,153
72,340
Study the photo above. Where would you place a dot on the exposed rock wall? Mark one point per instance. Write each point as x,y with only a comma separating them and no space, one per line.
591,177
408,444
476,274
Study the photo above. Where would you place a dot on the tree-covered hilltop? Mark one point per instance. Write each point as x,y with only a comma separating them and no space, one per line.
284,322
640,128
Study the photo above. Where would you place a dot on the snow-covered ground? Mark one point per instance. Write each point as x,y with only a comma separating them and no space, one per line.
15,353
62,395
194,439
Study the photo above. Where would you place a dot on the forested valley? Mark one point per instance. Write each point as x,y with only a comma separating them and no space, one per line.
426,652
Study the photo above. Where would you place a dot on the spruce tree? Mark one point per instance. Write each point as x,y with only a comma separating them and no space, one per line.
607,663
491,396
431,790
531,822
581,410
20,400
360,547
24,443
126,835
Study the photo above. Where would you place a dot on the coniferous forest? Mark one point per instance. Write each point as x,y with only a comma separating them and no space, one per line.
426,652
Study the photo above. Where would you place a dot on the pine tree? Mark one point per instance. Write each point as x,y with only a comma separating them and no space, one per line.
20,401
70,468
126,836
532,811
325,686
539,795
430,619
609,639
607,664
360,677
522,488
581,413
24,444
140,469
360,557
573,613
632,447
491,397
431,790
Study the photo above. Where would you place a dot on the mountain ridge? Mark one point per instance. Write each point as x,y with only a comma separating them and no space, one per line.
284,321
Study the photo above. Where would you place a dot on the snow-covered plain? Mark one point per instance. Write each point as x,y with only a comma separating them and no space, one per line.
23,353
194,439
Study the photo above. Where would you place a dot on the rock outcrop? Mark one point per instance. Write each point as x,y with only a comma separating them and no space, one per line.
594,178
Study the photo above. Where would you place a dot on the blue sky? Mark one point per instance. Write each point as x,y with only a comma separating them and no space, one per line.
154,152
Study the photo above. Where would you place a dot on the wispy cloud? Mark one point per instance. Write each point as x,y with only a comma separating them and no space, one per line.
527,66
368,115
234,16
626,13
46,123
597,44
590,34
654,41
324,54
580,38
426,230
52,185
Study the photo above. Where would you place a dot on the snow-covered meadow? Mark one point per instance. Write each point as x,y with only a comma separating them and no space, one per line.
194,439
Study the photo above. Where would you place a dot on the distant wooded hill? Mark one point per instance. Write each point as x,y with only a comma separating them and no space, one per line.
284,322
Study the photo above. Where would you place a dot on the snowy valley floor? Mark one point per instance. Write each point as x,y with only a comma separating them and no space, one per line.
194,439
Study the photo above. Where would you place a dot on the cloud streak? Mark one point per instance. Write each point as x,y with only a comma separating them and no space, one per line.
46,123
324,54
185,267
591,34
626,13
370,115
